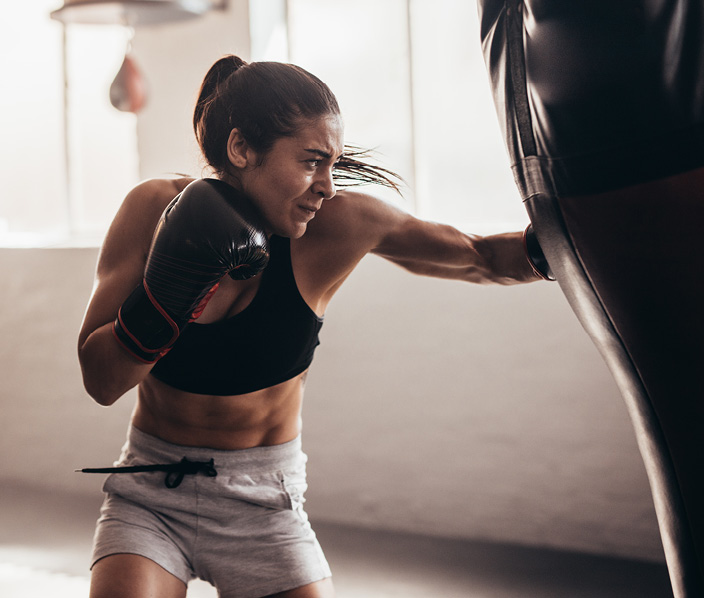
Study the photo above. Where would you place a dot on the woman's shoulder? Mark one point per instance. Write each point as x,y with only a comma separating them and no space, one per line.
146,201
354,214
346,210
154,193
135,221
345,229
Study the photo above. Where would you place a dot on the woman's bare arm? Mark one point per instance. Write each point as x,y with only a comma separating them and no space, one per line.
370,225
441,251
108,370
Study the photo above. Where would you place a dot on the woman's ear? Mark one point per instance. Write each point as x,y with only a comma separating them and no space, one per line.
238,150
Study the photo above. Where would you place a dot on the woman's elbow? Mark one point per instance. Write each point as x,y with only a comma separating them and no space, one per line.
99,390
99,382
101,396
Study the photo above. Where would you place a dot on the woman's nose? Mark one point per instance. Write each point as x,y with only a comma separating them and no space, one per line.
325,186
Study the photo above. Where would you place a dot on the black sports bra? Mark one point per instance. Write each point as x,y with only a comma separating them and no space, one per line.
272,340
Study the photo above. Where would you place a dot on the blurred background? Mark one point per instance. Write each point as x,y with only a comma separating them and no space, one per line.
475,424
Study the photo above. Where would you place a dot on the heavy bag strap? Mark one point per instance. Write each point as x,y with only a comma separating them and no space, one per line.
517,68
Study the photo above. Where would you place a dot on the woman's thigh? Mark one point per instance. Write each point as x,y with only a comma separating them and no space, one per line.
319,589
133,576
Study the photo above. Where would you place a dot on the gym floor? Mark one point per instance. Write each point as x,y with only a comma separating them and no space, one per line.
45,545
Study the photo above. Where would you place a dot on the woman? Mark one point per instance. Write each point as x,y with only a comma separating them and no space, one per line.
219,400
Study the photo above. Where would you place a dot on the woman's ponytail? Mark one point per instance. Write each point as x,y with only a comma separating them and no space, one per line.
207,116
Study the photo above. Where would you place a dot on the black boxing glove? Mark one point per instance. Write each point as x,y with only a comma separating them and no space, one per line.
209,230
535,254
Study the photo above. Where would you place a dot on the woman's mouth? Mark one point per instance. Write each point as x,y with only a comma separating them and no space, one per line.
308,210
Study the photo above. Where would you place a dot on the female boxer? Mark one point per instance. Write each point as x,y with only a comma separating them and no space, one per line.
211,480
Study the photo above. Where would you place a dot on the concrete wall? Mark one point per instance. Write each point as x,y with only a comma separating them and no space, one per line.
433,406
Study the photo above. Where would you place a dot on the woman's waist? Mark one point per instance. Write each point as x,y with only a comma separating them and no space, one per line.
264,418
143,448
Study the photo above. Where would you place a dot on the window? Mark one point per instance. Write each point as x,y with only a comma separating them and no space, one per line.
50,194
411,81
409,76
103,157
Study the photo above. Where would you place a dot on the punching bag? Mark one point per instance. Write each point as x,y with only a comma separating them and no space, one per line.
601,103
128,91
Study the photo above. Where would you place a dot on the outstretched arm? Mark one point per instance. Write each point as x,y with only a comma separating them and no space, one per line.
442,251
427,248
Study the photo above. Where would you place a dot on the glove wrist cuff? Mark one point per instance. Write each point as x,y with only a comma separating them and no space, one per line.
143,327
535,256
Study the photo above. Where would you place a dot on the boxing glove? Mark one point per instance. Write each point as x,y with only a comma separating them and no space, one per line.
535,254
209,230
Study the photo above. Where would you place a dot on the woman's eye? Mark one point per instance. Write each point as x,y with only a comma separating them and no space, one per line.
314,162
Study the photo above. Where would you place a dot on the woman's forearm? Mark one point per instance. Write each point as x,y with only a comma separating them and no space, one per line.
442,251
508,262
108,369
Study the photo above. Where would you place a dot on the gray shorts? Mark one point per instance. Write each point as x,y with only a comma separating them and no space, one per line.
244,530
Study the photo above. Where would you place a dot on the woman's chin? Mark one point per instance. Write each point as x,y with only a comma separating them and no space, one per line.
292,231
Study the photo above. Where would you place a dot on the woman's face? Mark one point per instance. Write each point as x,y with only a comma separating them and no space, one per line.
290,182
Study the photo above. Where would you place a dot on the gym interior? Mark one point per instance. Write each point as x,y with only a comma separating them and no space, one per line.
481,447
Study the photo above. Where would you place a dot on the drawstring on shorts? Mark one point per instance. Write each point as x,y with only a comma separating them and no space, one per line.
175,472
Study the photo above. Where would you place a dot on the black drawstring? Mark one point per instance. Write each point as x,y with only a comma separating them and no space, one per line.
174,471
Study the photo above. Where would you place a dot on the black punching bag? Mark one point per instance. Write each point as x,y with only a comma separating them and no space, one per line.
601,103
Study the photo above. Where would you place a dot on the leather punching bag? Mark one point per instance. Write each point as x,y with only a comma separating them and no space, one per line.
128,91
601,103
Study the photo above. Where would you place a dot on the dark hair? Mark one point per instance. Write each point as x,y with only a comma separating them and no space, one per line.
267,101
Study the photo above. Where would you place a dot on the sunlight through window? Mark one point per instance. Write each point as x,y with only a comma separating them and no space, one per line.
411,81
50,195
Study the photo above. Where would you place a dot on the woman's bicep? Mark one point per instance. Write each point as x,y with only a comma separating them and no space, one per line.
124,251
108,371
362,224
120,264
407,239
110,289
